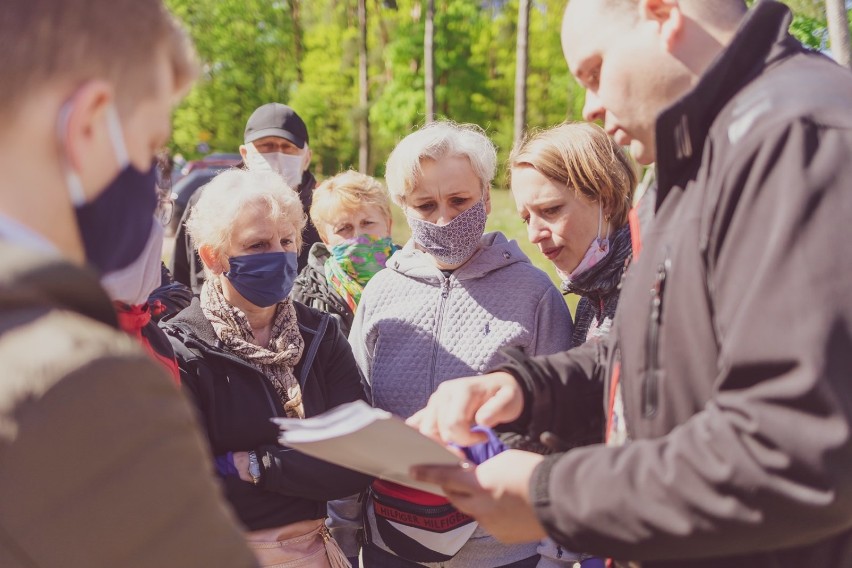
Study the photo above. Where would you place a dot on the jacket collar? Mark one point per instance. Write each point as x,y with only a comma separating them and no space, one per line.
682,129
33,280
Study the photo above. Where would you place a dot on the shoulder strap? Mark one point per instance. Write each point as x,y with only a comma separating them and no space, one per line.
308,360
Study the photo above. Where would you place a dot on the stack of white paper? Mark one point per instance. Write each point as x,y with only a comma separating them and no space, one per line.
366,439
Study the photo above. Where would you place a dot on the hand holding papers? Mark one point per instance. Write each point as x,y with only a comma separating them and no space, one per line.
366,439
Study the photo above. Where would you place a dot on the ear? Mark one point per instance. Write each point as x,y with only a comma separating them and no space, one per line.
668,16
308,157
211,259
85,135
243,151
486,199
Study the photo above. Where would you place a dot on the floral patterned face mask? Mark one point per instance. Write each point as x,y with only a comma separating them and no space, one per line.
353,262
451,244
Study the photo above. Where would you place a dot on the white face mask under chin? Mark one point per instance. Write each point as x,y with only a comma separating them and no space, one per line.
595,253
133,284
288,166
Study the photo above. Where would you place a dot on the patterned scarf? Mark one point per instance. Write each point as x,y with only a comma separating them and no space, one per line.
599,288
277,360
353,262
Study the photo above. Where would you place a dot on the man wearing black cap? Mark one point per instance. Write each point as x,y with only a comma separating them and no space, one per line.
275,138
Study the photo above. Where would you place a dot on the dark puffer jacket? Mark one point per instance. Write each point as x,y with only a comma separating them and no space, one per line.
312,289
236,403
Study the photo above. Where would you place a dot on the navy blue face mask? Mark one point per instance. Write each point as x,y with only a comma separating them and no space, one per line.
263,279
114,226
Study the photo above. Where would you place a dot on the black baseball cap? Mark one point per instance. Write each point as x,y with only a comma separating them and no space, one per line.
275,119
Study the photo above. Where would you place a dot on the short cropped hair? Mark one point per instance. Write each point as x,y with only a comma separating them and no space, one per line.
584,158
211,220
345,193
65,43
442,139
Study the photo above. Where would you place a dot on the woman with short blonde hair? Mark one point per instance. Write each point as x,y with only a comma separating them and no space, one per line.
351,212
573,187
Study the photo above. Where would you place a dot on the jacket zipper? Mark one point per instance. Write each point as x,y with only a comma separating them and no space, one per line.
445,292
650,389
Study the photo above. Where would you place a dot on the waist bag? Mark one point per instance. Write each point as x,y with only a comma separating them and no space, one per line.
419,526
424,527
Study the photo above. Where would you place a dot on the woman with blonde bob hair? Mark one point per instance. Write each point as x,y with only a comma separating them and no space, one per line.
351,212
248,353
444,307
573,187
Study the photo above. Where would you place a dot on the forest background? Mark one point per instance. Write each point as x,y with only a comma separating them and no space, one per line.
305,53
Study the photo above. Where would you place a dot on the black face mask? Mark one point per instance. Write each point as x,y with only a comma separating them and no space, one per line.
114,226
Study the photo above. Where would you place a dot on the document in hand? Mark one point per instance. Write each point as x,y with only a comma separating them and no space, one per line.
366,439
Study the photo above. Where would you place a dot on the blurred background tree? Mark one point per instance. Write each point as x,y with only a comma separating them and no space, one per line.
306,54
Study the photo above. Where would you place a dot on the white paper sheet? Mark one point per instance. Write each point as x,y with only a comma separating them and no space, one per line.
368,440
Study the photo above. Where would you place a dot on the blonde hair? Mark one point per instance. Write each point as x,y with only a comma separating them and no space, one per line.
435,141
344,193
586,160
66,43
211,220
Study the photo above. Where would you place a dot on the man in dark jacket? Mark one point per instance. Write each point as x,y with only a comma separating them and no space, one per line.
101,460
728,423
275,138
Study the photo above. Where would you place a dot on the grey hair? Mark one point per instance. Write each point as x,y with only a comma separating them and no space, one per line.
435,141
211,220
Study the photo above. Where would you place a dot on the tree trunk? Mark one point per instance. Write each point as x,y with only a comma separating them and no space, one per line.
521,59
297,36
429,60
363,92
838,31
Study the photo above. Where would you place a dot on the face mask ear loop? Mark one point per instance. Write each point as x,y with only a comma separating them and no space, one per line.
72,180
600,221
116,136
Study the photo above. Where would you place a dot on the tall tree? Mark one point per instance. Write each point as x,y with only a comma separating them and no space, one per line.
838,31
522,54
363,91
429,60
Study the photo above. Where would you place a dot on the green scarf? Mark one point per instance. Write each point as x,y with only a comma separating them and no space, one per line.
353,262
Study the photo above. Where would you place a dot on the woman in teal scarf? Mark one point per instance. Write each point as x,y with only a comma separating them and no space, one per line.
351,212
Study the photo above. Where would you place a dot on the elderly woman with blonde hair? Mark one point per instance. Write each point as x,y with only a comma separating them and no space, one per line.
351,212
444,307
248,353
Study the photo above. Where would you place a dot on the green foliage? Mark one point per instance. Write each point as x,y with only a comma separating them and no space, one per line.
305,53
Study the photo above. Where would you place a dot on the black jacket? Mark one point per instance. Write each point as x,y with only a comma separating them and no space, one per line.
236,402
186,266
312,289
737,405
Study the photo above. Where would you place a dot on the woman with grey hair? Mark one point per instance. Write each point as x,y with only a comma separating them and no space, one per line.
248,353
443,308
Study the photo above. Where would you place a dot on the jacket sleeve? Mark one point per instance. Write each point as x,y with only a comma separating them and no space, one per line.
293,473
553,325
767,461
563,394
133,472
362,342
